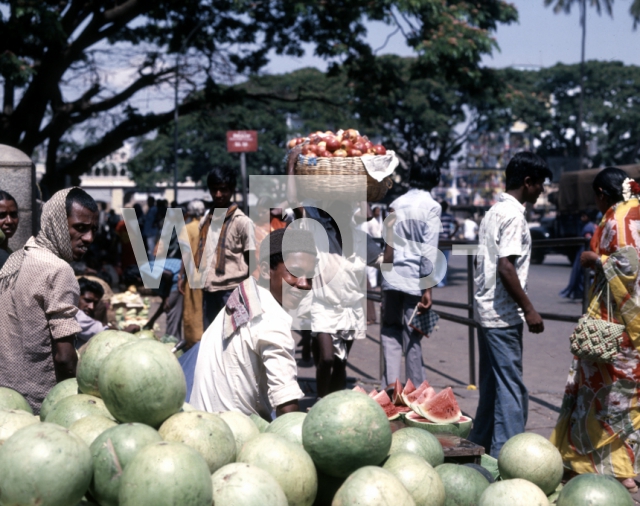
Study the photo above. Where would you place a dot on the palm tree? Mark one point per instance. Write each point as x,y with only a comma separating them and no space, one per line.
565,6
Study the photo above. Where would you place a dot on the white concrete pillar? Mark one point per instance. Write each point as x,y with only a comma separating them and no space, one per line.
18,177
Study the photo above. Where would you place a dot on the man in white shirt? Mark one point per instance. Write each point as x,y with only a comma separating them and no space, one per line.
470,228
246,358
502,305
400,298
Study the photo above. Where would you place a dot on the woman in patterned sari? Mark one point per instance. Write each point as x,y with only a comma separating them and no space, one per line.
597,428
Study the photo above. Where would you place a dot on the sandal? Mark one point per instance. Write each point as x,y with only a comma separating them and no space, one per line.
629,484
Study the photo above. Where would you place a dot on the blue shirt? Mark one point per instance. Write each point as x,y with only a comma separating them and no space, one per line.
150,229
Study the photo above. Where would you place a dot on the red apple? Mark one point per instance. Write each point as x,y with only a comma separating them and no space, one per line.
380,149
354,152
322,146
325,154
367,145
332,143
292,143
340,153
346,144
359,145
351,134
299,140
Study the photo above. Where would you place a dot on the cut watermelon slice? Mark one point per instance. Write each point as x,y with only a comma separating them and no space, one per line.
408,387
373,393
397,394
409,399
358,388
403,409
427,394
385,403
440,408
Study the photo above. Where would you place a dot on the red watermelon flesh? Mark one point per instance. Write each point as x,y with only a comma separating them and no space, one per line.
397,393
403,409
426,395
373,393
358,388
409,399
408,387
385,403
441,408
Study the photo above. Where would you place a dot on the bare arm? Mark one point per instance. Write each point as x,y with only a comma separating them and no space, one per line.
287,407
425,301
509,278
65,358
388,249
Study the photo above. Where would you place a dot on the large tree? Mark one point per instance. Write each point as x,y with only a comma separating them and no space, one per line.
420,118
76,73
547,101
600,5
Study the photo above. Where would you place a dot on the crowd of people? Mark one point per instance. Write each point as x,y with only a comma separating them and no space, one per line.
236,327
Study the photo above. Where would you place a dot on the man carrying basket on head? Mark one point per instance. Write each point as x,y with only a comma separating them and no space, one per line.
336,306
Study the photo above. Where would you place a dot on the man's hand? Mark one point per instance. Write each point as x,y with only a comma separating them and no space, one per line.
511,283
534,321
65,358
588,259
287,407
425,301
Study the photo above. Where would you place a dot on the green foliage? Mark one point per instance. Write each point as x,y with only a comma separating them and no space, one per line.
547,100
57,56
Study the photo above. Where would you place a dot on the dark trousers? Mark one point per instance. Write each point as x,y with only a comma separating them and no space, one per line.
174,314
504,401
212,304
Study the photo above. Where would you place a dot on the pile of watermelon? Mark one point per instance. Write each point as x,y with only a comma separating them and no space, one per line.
121,435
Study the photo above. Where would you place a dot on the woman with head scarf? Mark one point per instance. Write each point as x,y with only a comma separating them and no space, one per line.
39,298
8,224
597,429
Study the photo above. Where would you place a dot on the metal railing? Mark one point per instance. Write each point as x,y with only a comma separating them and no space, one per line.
469,320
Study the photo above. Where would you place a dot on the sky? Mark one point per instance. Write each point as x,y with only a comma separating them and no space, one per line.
541,38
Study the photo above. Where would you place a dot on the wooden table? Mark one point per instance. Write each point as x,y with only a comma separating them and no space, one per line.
456,449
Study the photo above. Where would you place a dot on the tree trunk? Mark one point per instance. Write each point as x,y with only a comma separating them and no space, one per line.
581,136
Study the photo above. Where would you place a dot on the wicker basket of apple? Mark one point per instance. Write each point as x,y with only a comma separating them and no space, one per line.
326,155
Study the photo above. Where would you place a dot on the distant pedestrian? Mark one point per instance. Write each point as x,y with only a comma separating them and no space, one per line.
150,229
470,229
449,230
502,304
192,308
575,288
399,302
39,297
230,264
8,224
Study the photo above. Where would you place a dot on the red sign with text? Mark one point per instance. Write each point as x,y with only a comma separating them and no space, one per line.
239,141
